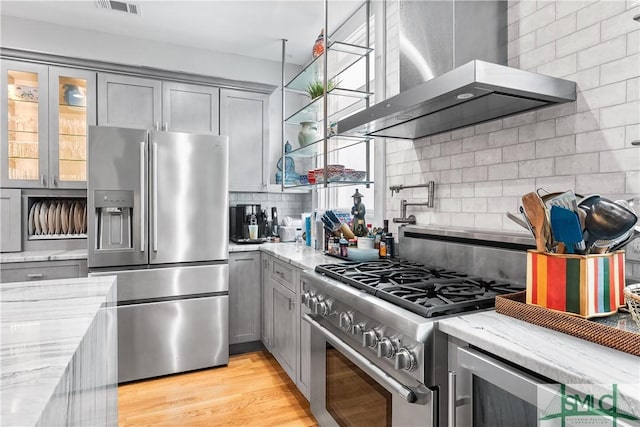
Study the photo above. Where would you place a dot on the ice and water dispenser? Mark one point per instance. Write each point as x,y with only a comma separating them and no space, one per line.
114,215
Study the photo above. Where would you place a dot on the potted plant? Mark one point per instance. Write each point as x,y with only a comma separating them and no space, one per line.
316,88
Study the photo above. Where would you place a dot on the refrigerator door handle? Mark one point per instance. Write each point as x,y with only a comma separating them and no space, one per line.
142,195
155,197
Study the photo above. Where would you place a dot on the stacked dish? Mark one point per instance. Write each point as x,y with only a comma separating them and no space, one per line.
57,217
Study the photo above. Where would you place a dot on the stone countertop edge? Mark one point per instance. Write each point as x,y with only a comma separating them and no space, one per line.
554,355
42,326
305,257
49,255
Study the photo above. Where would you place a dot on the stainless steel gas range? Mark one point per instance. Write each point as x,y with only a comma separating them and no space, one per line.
376,358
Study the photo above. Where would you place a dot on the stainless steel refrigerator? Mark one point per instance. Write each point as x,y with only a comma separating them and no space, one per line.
158,219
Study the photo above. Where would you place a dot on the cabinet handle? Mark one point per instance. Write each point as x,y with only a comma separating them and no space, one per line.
157,126
155,197
143,176
279,273
35,276
451,404
166,126
243,259
44,182
291,304
55,181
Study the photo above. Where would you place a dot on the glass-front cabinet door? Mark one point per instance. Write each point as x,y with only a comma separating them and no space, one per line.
24,124
72,103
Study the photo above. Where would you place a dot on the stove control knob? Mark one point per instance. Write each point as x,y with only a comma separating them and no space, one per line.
321,308
370,339
405,359
311,302
345,321
386,348
305,297
358,328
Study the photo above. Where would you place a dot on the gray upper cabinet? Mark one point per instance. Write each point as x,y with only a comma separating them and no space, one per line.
44,137
11,224
244,118
190,108
131,102
244,297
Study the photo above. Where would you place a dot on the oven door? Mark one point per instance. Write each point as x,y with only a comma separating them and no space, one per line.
347,389
485,392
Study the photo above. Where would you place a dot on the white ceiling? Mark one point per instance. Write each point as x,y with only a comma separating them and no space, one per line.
242,27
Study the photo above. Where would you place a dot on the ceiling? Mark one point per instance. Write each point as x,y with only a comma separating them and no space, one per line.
249,28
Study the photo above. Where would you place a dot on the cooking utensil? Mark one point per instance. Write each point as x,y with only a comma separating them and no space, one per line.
588,201
633,234
566,228
565,200
537,215
526,220
517,220
607,220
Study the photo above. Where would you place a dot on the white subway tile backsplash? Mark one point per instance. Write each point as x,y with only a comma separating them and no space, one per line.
395,158
553,147
627,159
539,130
602,96
556,111
605,184
586,79
521,45
451,176
538,56
451,147
564,8
503,171
477,173
633,42
579,40
538,19
604,52
441,191
488,157
520,10
513,31
622,69
488,221
620,115
512,153
559,28
620,24
577,164
475,143
488,189
464,160
580,122
503,204
441,137
535,168
596,12
555,184
503,137
474,204
462,219
607,139
450,205
462,190
518,187
487,127
431,151
560,67
632,183
441,163
462,133
633,89
519,120
632,133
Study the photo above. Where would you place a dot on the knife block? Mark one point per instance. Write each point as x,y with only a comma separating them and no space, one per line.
581,285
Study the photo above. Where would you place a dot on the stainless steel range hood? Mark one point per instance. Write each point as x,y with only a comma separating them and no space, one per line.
475,92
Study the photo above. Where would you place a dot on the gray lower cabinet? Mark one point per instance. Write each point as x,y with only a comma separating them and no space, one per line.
244,118
42,270
127,101
304,365
267,315
285,329
11,224
245,317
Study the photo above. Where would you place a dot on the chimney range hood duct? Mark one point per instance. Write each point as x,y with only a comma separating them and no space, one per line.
452,57
475,92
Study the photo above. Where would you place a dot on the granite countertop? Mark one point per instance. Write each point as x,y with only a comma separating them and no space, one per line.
42,325
555,355
304,257
50,255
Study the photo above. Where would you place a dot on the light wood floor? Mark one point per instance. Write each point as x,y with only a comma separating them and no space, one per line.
252,390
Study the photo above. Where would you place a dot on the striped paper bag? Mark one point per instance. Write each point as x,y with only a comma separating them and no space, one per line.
584,285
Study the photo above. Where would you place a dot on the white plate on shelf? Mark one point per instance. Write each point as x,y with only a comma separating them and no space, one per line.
44,208
36,219
64,217
56,218
30,224
51,217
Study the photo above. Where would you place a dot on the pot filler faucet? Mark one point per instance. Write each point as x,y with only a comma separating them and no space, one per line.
411,219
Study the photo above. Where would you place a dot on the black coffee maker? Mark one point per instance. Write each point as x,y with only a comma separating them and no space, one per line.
240,217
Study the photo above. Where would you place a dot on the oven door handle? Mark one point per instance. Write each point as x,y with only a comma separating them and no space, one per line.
409,394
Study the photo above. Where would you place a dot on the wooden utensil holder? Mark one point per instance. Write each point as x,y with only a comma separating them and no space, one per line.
581,285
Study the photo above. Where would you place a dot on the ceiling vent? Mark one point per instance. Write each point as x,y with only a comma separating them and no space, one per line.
119,6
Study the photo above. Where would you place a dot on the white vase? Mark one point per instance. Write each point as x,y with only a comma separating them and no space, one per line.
308,133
